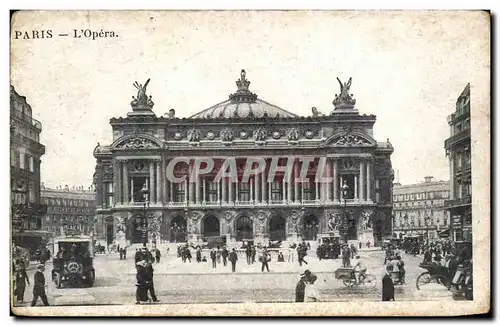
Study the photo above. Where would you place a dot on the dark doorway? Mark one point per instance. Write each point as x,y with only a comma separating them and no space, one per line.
178,229
244,228
137,230
139,183
310,228
277,228
109,233
352,232
211,226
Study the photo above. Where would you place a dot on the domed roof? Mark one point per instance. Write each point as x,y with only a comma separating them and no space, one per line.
243,104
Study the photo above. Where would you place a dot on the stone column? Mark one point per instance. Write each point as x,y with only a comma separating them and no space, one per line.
340,188
223,181
191,186
159,197
257,190
171,188
328,183
164,182
368,181
204,194
252,183
230,190
237,187
317,191
152,197
355,187
132,190
296,175
283,189
125,197
335,181
263,184
186,192
362,181
289,197
116,167
197,188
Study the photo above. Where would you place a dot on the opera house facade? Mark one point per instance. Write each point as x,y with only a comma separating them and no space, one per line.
145,193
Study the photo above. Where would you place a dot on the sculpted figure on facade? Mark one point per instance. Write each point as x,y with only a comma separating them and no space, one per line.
193,135
344,97
226,135
260,134
351,140
293,134
334,220
316,112
121,225
142,99
366,220
294,221
138,143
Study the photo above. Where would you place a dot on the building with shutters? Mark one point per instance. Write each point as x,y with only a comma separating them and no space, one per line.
137,199
458,151
419,209
25,160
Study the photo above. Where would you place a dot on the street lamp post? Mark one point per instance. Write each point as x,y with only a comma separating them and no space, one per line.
345,189
145,197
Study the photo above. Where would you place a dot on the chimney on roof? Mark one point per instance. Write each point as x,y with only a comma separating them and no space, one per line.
428,179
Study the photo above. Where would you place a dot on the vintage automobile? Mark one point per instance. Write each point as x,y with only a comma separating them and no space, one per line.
328,247
73,262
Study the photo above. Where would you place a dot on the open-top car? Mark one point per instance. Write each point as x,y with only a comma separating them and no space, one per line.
73,263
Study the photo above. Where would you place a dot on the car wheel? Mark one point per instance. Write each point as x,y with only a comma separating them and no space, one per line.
91,278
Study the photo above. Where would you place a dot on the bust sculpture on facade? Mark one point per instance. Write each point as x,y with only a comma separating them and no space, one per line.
316,112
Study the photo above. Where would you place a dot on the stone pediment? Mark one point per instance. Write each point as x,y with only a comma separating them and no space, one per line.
348,139
136,142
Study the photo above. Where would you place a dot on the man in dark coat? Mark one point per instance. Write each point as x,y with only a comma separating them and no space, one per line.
224,254
149,281
137,256
388,285
198,254
233,258
248,252
300,288
265,259
213,256
21,280
141,293
157,255
39,287
253,253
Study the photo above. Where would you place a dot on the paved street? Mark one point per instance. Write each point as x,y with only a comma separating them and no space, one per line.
177,282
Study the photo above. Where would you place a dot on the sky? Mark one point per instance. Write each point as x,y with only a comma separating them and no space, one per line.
408,68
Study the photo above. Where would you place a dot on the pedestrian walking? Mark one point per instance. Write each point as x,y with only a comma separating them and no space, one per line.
149,281
401,268
21,280
345,257
213,256
198,254
265,259
224,254
141,293
39,286
233,258
188,253
388,285
219,255
368,244
300,288
125,253
311,292
253,252
137,256
248,253
157,255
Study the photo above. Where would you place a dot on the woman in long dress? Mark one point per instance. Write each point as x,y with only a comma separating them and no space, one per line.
311,293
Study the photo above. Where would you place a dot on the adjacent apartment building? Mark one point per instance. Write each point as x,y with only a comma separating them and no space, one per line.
419,209
457,148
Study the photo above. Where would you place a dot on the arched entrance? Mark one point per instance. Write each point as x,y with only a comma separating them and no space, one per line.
310,227
244,228
277,228
178,229
211,226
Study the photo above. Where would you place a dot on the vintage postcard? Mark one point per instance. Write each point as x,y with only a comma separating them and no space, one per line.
250,163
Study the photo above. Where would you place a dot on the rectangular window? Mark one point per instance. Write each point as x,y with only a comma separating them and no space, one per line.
21,160
179,192
31,163
309,191
12,157
244,192
212,192
276,191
